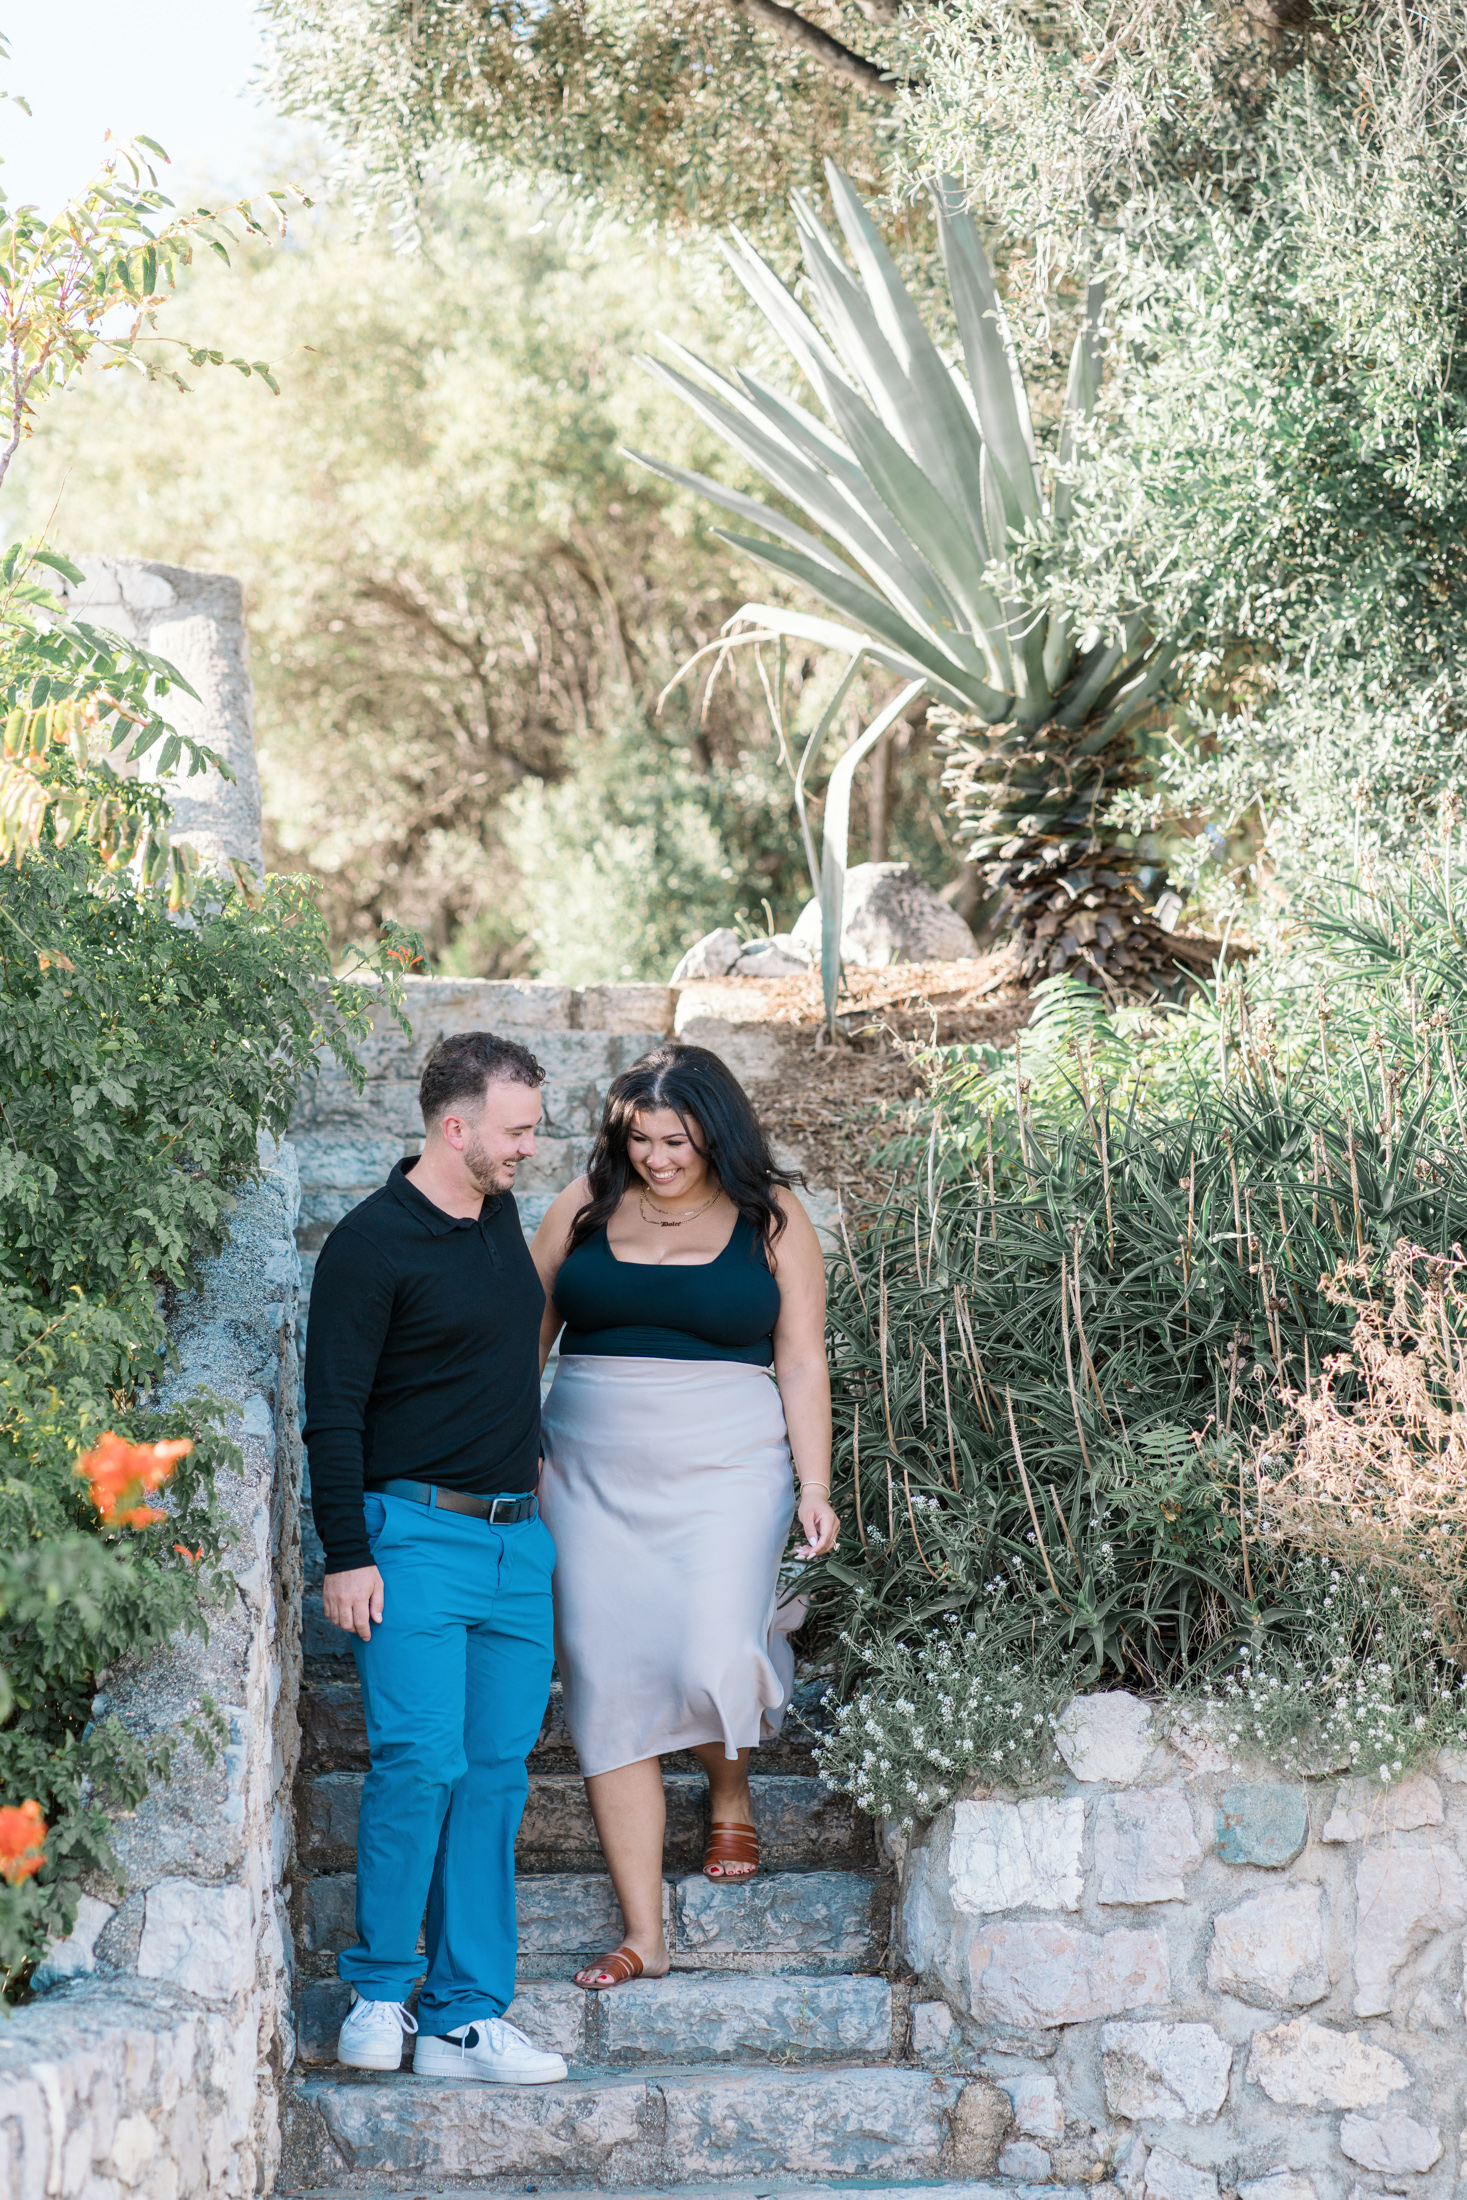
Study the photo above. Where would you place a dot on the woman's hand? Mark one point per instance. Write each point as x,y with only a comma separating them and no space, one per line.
820,1521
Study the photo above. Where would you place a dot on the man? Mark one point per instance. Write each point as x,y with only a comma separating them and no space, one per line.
423,1429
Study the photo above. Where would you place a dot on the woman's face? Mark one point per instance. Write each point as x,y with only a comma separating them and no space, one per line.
664,1156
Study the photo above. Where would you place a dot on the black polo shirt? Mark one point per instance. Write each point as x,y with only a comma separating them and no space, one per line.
422,1357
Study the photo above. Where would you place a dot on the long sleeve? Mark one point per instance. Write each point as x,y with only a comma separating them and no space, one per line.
351,1308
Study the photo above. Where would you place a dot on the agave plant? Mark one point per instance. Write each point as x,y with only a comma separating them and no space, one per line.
942,542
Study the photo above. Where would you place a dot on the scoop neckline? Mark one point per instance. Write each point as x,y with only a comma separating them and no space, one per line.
674,1266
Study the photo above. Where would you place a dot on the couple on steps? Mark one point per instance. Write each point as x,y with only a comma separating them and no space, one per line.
644,1521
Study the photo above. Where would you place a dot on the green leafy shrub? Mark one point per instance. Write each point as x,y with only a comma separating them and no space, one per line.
638,851
140,1057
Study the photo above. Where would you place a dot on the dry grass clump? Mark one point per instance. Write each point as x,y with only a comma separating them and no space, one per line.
1376,1478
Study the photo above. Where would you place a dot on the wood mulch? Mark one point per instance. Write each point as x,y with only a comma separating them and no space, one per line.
840,1104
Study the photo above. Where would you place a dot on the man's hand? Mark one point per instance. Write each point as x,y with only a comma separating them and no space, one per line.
353,1600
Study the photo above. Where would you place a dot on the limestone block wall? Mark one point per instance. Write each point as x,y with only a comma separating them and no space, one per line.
149,2063
196,621
1195,1977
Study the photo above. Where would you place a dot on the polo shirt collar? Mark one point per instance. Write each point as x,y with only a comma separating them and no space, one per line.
402,1187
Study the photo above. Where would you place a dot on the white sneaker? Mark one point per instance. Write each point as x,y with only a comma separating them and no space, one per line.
372,2036
490,2050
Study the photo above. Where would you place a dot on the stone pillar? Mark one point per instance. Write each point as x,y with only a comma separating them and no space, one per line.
196,621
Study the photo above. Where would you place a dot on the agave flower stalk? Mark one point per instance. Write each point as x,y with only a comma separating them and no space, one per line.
941,545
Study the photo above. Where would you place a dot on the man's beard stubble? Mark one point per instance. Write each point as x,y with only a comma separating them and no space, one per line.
487,1175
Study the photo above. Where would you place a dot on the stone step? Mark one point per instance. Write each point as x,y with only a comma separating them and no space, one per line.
766,2188
802,1825
708,2016
334,1731
820,1920
673,2126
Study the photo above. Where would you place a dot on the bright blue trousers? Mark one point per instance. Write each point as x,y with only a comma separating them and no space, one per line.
454,1683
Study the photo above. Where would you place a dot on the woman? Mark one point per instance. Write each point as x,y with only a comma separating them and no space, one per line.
684,1270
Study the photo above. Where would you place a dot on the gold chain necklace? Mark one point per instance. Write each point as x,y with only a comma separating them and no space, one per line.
662,1222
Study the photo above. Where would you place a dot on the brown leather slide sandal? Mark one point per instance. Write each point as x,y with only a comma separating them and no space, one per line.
730,1842
622,1964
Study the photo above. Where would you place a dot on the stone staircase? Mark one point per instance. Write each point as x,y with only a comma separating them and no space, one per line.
772,2056
773,2051
775,2055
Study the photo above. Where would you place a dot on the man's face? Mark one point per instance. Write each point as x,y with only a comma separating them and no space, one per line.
495,1134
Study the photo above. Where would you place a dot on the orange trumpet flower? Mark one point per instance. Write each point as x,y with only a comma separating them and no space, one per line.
22,1841
119,1475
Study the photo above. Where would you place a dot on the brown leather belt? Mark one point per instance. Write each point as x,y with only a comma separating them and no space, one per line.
500,1512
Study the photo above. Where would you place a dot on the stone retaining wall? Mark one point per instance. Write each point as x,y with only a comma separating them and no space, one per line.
150,2062
1194,1977
196,621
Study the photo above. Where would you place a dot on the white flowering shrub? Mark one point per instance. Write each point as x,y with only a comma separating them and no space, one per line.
959,1707
1362,1686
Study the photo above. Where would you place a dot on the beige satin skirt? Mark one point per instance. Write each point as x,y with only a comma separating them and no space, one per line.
668,1489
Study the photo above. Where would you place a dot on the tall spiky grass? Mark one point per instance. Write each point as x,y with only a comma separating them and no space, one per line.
1062,1348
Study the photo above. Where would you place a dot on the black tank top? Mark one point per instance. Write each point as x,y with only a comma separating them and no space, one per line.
723,1309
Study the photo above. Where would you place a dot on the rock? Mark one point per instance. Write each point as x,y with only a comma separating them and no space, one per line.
1258,1823
77,1953
134,2144
1035,2100
1270,1950
1198,1748
980,2125
1390,2143
196,621
890,915
1035,1975
1016,1856
1363,1808
102,584
933,2029
553,2014
794,1912
781,956
1279,2184
559,1913
1024,2161
708,2017
320,2009
711,957
1404,1895
1105,1737
145,589
1178,2072
1309,2065
199,1938
1128,2163
1144,1842
1168,2177
621,2129
631,1008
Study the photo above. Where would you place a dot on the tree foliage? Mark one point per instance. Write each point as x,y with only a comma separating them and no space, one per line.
689,114
457,586
1275,194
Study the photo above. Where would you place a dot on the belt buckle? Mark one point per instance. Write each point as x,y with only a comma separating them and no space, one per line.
494,1505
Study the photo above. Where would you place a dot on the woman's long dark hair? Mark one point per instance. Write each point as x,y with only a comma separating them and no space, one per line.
693,1082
